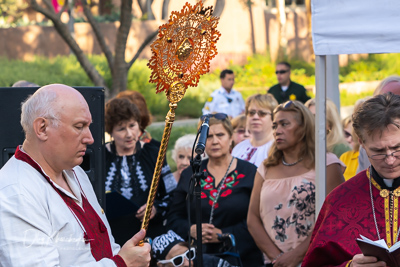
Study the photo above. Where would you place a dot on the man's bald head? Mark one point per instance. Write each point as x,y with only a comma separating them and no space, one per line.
48,102
390,84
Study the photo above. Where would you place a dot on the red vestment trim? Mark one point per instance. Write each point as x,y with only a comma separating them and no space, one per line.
95,232
346,213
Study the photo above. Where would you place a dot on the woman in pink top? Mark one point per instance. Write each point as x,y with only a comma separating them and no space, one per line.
282,207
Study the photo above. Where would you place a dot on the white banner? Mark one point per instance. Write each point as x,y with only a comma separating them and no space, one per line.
355,26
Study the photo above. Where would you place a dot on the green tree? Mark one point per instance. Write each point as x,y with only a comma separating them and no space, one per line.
11,10
117,64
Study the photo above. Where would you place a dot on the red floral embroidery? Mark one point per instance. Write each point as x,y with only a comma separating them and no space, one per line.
228,180
208,186
209,179
210,202
226,193
211,192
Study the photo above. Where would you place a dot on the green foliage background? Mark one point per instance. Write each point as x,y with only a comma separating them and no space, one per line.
256,76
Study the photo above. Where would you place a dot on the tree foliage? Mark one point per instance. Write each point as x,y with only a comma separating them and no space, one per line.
11,10
116,61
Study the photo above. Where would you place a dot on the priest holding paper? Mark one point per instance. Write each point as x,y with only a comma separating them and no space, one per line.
367,204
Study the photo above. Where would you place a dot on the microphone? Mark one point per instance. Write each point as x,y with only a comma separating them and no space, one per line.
201,144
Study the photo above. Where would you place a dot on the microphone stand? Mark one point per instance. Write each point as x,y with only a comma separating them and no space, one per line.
196,180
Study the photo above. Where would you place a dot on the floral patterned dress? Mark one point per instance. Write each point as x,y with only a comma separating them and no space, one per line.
230,211
287,206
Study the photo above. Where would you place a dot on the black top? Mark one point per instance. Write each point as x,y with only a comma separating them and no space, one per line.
295,91
131,176
230,212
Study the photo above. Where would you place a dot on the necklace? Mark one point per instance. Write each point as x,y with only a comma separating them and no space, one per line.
290,164
369,174
219,192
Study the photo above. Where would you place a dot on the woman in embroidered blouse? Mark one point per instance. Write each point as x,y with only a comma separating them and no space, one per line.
259,121
234,178
130,165
282,207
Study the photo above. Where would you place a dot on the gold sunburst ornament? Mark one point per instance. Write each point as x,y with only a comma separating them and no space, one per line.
181,53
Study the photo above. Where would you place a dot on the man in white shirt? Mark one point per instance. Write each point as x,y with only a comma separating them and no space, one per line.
225,99
49,214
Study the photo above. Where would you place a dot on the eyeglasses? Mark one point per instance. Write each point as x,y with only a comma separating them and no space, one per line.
218,116
281,71
179,260
395,154
347,134
240,131
260,113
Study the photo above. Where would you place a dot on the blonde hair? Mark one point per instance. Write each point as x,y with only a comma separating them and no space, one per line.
345,122
335,134
266,101
239,121
306,122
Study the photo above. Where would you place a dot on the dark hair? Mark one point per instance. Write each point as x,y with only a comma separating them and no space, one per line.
138,99
376,114
118,110
224,73
306,122
284,63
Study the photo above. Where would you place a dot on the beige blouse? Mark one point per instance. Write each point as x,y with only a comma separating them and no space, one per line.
287,206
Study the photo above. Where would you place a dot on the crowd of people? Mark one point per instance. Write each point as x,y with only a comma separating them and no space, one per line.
258,191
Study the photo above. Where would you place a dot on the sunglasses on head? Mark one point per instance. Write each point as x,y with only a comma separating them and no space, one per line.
281,71
288,104
180,259
218,116
260,113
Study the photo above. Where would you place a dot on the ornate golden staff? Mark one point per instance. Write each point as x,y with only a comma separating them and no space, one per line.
182,53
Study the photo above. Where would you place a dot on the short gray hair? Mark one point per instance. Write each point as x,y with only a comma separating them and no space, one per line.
183,142
40,104
23,83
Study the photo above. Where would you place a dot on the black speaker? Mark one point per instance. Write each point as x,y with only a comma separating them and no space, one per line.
12,135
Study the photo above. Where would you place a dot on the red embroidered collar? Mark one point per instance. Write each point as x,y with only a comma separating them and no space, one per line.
95,232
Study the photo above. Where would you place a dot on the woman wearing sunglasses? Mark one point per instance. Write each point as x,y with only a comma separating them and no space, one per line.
282,207
259,121
225,196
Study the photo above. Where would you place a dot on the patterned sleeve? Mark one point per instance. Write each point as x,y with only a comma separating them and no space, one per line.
163,198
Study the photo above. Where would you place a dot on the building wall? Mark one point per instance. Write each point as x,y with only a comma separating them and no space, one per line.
234,45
